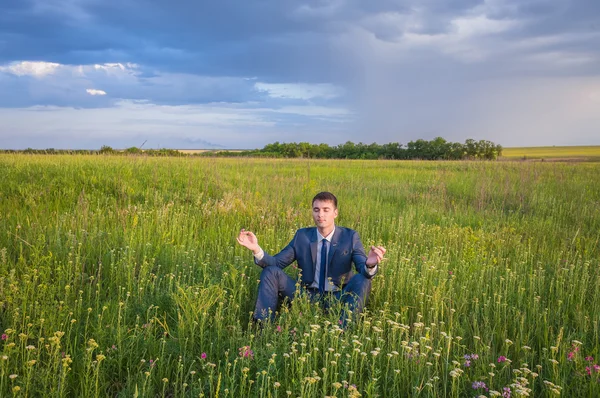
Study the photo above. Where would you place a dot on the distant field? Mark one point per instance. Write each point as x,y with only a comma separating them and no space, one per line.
192,151
556,153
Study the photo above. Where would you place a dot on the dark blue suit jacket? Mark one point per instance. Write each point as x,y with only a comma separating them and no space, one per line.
345,249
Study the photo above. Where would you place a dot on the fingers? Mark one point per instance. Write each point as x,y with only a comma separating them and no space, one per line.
379,252
246,238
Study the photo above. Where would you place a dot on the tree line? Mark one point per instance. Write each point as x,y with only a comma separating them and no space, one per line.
436,149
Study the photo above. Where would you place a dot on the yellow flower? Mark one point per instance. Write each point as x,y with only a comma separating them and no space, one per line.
92,344
165,380
16,389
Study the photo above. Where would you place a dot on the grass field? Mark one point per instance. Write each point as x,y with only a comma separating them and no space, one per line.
566,153
120,276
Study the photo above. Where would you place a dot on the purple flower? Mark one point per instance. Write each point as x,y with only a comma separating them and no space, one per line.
203,355
479,384
506,392
474,356
467,356
589,359
278,328
501,358
467,364
570,356
4,336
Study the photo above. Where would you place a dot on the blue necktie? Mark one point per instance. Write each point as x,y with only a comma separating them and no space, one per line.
323,269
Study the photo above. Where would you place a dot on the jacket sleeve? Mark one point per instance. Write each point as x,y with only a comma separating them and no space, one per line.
282,259
359,258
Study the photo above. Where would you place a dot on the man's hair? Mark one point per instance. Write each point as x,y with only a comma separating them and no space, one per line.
326,197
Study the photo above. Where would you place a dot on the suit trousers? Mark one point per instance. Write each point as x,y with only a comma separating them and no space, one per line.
275,286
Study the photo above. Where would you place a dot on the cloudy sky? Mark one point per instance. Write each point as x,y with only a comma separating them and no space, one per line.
244,73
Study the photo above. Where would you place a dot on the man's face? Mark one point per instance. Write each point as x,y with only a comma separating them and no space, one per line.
324,213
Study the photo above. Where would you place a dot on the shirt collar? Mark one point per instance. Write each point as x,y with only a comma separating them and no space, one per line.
328,237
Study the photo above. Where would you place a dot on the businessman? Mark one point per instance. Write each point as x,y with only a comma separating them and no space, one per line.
324,255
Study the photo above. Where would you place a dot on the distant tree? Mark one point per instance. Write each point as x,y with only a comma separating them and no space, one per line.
133,151
106,150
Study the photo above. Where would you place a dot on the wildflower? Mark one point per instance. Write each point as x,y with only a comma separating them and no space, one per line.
467,364
246,352
479,385
16,389
13,376
278,329
100,357
570,356
30,347
4,336
203,355
589,359
277,384
501,358
165,380
506,392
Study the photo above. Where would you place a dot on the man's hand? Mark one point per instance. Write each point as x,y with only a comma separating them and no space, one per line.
248,240
375,255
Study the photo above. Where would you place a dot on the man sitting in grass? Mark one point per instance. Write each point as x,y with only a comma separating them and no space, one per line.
324,254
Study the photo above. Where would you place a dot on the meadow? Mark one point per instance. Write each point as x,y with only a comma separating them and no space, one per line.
121,276
565,153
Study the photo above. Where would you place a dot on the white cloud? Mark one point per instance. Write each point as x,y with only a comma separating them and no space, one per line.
92,91
316,111
299,90
31,68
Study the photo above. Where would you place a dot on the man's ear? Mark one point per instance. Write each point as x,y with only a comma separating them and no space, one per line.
335,213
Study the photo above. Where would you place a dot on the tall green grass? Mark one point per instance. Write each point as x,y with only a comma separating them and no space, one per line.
122,277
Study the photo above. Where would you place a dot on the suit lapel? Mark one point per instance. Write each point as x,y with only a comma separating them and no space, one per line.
334,243
313,248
